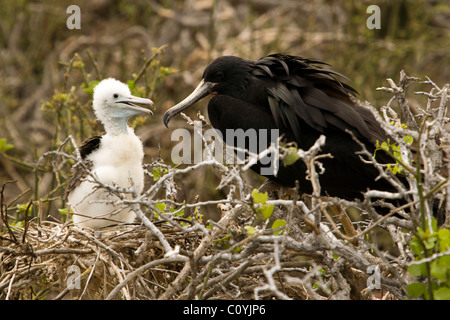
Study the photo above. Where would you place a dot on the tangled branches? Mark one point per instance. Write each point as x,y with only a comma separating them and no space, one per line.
278,244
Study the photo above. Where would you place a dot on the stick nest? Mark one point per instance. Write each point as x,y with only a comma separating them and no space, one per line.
43,261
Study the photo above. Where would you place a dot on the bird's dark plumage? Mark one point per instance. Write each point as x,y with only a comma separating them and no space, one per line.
90,145
303,100
80,172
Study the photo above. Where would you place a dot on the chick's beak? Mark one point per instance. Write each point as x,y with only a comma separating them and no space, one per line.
133,103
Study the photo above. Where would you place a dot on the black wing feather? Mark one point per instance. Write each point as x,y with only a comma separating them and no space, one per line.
90,145
80,170
301,87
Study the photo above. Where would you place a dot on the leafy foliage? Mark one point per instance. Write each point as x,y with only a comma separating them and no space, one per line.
260,206
394,150
431,247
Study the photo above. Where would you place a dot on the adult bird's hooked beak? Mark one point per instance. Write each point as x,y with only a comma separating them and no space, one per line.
202,90
131,104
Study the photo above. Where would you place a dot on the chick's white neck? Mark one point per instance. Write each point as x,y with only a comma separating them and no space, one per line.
116,126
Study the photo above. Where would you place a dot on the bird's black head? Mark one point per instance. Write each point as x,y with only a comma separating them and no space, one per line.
227,75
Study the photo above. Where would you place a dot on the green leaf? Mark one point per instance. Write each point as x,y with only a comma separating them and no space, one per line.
439,270
430,242
164,71
5,146
92,85
259,197
63,212
415,290
417,269
277,224
444,234
416,246
267,211
22,208
408,140
434,225
445,261
444,239
291,156
131,84
179,214
78,64
158,173
161,206
18,224
250,230
442,294
395,170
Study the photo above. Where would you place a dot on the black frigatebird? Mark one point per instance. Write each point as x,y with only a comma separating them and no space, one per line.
303,100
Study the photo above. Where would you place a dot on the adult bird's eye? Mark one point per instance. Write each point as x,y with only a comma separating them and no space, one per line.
115,95
220,75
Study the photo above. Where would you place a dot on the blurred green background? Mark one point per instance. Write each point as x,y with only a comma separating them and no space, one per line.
40,59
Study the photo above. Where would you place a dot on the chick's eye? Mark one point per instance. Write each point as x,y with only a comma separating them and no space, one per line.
220,75
115,95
